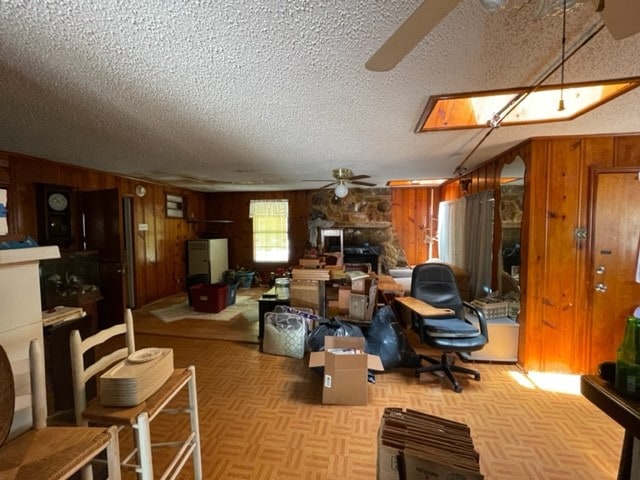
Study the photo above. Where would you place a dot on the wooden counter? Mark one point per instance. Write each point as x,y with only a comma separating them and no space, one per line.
624,411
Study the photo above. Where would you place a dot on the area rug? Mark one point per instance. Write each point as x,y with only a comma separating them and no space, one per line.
245,306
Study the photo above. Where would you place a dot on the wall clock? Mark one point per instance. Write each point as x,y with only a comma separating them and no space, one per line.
53,208
58,202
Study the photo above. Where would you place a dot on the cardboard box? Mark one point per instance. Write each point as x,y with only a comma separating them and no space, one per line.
308,294
358,306
418,446
345,370
344,298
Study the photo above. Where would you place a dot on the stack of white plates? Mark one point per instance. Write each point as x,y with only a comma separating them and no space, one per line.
136,378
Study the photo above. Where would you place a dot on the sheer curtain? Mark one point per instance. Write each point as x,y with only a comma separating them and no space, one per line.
479,241
465,237
451,232
270,230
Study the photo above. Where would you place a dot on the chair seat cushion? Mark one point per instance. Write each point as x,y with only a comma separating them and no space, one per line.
449,327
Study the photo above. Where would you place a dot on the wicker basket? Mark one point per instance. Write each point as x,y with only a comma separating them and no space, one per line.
514,309
492,308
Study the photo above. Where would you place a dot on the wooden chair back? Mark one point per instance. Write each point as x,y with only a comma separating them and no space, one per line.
82,373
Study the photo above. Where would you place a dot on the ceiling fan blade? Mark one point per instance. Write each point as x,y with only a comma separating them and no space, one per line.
621,17
327,185
358,177
358,182
410,33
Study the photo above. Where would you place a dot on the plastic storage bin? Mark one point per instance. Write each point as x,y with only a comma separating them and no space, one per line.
210,298
193,280
232,289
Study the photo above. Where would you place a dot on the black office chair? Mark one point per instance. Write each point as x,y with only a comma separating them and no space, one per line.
435,284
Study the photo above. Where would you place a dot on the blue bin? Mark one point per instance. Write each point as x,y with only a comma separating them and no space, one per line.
231,293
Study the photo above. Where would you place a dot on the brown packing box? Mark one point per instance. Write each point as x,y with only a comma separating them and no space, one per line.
417,446
345,374
307,294
344,298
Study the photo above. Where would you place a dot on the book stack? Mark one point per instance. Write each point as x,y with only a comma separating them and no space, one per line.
136,378
411,443
310,274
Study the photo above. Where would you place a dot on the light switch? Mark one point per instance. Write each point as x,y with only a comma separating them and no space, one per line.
143,227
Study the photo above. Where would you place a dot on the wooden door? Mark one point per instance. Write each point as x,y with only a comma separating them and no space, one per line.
615,251
103,233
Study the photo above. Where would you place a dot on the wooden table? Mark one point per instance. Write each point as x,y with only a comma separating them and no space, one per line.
624,411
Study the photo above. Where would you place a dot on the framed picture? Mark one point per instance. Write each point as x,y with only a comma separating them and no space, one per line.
175,206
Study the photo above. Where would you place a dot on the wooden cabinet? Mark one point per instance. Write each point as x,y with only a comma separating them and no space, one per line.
58,363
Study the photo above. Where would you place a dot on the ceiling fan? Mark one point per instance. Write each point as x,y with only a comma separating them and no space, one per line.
619,16
342,177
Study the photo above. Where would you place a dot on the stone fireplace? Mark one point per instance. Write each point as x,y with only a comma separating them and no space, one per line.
364,216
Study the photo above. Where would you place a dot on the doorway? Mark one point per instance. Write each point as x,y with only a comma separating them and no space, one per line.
127,219
614,256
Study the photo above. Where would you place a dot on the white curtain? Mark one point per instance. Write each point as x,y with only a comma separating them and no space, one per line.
479,241
451,232
465,237
270,230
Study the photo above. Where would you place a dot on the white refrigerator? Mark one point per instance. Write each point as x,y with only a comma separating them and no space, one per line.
208,256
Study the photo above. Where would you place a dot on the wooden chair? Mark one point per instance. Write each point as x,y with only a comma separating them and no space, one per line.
140,416
46,453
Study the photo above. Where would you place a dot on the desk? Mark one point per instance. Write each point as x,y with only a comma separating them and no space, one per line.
267,303
624,411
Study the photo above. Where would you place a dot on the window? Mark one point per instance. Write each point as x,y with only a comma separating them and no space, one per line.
270,230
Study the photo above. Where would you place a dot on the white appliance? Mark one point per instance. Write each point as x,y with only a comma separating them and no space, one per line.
208,256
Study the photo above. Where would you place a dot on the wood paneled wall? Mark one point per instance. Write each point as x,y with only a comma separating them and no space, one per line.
159,251
235,207
413,209
554,272
414,218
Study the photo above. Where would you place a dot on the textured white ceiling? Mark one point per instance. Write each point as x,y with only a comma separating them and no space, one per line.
263,94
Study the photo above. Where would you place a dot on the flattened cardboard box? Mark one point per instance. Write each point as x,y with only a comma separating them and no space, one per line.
345,374
418,446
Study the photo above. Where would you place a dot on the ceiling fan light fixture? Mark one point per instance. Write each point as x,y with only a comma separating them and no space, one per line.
341,190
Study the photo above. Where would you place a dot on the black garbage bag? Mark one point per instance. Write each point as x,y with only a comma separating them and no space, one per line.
386,338
409,357
383,339
336,328
331,328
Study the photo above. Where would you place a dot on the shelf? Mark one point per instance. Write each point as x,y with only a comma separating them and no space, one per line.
209,221
361,225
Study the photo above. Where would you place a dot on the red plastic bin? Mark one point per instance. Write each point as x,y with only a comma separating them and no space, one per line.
211,298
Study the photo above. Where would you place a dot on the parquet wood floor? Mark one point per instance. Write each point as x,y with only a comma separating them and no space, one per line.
261,418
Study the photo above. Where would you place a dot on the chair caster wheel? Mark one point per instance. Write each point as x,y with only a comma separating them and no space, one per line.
457,388
476,377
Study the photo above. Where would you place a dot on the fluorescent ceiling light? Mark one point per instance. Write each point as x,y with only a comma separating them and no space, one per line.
478,109
434,182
